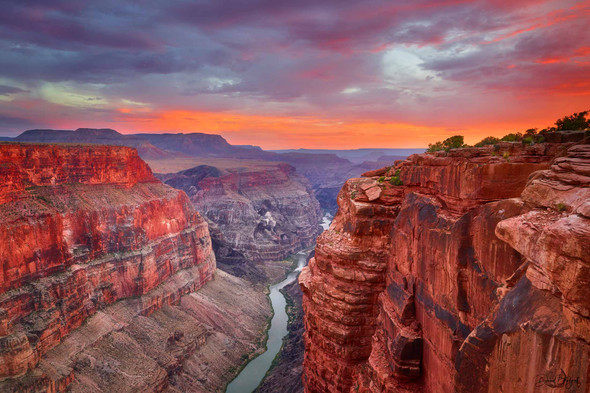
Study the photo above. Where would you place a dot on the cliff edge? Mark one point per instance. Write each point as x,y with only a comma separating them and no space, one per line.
465,271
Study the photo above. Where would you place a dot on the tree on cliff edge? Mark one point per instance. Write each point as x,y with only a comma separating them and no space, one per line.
453,142
577,121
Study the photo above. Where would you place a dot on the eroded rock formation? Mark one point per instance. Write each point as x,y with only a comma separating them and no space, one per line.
459,272
83,227
257,213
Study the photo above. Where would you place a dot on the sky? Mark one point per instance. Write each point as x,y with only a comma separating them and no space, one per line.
295,73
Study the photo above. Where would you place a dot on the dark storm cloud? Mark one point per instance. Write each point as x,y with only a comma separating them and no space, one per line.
6,90
110,40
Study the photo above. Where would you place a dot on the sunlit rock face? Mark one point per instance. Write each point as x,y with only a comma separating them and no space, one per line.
83,227
256,214
471,275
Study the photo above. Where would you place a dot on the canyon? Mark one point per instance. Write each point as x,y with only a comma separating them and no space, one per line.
109,279
257,211
458,271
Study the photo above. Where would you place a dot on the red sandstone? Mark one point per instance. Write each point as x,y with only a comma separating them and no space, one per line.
472,276
82,227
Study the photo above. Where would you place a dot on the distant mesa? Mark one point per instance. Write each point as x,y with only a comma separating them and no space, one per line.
326,170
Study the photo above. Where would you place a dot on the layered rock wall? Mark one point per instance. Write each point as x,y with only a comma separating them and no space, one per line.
83,227
256,214
437,276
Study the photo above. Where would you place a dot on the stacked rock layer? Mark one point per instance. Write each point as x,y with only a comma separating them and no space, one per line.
465,271
256,214
83,227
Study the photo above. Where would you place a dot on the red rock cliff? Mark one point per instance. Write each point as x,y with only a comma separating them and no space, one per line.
82,227
469,274
47,165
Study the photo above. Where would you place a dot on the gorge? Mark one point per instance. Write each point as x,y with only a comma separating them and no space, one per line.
439,273
257,211
109,280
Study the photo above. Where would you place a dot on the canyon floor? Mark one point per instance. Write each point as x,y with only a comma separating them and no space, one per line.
198,345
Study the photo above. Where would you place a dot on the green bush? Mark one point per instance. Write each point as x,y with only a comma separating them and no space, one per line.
395,179
454,142
432,147
513,137
490,140
577,121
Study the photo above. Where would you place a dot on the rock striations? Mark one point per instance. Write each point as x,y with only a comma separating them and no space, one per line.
83,227
466,271
258,213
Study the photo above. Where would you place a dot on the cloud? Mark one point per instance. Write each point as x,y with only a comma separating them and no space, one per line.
8,124
7,90
428,63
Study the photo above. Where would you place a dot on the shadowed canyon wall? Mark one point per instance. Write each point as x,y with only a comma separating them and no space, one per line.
465,271
257,213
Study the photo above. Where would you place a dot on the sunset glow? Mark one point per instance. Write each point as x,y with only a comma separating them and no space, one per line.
279,74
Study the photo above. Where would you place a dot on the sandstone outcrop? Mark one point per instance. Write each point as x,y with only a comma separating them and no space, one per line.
257,213
465,271
83,227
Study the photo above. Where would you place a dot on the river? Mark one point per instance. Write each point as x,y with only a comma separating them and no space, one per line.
254,372
251,376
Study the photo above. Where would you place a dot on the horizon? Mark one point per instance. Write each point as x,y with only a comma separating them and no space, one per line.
228,141
316,75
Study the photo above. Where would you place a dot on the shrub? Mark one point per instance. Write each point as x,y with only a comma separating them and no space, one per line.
432,147
506,156
453,142
577,121
513,137
395,179
560,207
381,179
490,140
